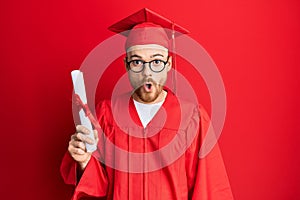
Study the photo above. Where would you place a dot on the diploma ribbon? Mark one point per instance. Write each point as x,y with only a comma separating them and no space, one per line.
86,110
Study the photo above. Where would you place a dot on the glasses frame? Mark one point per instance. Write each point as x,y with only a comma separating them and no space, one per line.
144,62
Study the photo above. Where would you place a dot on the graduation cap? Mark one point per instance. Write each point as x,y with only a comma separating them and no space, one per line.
146,27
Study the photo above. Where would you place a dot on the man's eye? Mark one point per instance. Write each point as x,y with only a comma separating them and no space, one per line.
156,62
137,62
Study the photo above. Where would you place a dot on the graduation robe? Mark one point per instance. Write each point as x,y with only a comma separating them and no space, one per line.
175,172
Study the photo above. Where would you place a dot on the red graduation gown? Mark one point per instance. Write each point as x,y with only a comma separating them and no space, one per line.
177,173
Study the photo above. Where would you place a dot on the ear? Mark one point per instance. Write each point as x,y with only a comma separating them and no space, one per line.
125,64
169,64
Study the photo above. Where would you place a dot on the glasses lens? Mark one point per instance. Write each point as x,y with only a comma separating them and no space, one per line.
136,65
157,65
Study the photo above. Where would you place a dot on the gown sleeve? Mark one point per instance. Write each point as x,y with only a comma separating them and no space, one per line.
93,182
207,178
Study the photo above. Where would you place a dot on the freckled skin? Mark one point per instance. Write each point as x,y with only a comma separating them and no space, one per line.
158,80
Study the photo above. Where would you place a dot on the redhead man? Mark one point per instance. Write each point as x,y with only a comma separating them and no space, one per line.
149,143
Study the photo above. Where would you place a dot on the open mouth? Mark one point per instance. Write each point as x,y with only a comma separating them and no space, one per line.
148,87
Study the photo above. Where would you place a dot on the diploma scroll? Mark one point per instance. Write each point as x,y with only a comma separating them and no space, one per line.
79,89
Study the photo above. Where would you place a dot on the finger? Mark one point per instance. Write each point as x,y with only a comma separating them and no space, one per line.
89,140
73,144
82,129
75,151
74,137
79,144
96,136
79,151
84,138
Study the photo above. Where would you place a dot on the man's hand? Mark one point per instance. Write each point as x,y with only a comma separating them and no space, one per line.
77,147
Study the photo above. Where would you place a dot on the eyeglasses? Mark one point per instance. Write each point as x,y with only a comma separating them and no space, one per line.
139,65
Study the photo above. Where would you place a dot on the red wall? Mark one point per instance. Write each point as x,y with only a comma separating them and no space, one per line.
254,43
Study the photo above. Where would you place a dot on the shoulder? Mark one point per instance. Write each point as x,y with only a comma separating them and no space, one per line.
186,112
107,106
186,105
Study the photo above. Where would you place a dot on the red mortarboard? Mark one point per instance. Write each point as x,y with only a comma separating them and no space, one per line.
147,27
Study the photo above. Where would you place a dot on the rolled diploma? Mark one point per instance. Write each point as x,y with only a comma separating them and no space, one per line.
79,89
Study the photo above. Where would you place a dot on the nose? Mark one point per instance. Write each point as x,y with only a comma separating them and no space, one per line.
147,71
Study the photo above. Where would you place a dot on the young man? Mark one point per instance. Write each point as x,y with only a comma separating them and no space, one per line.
150,141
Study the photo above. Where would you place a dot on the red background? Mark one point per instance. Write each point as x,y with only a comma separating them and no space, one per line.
254,43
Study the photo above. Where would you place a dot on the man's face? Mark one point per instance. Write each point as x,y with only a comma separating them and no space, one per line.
147,84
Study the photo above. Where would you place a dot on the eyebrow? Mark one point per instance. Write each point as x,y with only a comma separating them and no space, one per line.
137,56
158,54
155,55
